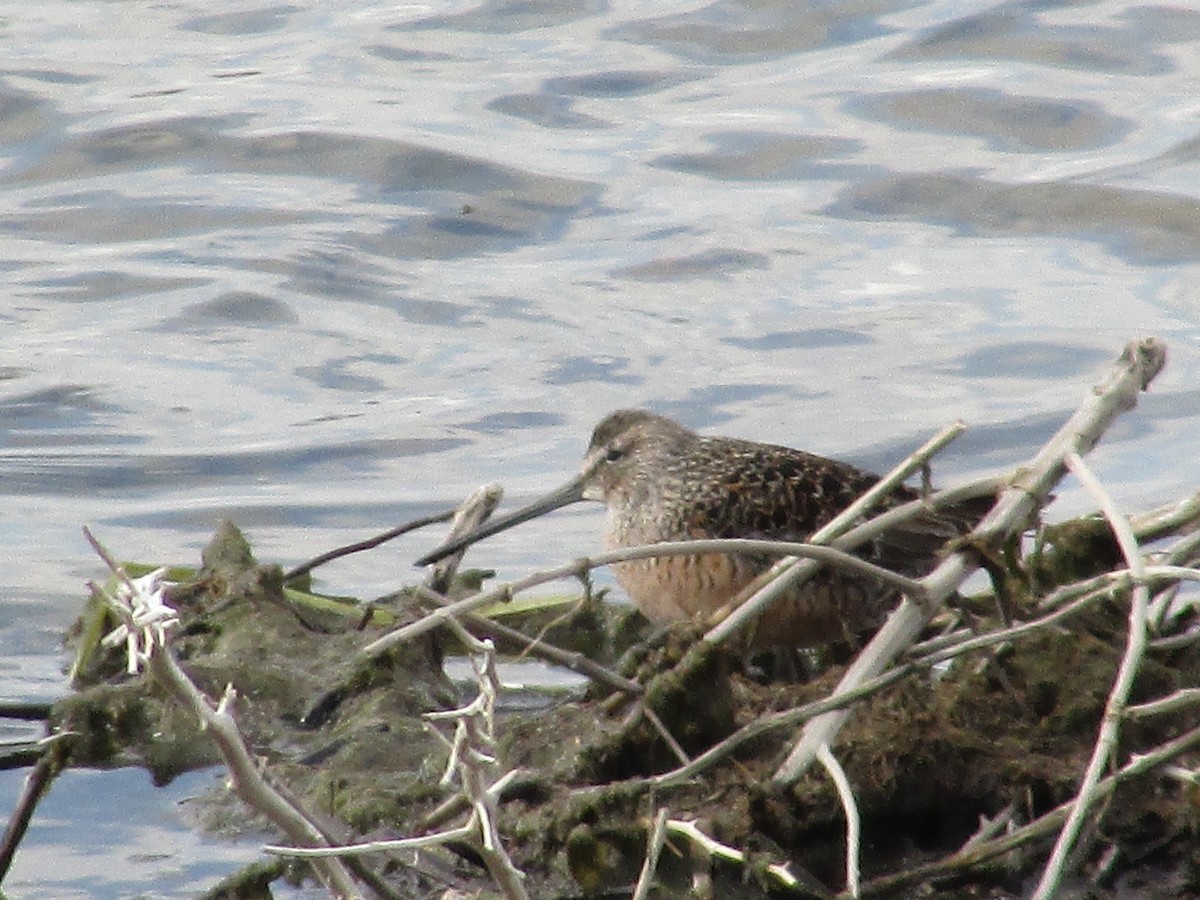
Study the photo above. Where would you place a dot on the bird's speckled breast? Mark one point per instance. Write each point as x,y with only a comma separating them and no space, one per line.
671,589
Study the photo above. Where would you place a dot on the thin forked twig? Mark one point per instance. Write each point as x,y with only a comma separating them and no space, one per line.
714,848
367,544
1135,648
506,592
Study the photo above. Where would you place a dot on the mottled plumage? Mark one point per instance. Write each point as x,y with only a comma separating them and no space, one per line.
663,482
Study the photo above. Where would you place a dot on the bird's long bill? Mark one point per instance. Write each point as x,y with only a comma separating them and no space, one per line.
565,495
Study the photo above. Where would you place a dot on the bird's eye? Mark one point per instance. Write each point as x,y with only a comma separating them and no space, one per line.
614,454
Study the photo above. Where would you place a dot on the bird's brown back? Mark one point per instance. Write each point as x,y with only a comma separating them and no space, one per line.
673,484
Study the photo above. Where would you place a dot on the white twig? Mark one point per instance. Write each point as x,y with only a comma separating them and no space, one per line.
147,618
1181,699
1177,641
245,777
506,592
990,827
850,807
140,604
1182,774
466,831
462,833
1117,521
654,844
471,513
1110,724
1172,518
715,848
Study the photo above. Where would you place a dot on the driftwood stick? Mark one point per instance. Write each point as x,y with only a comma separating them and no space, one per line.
1110,723
1183,552
471,513
990,826
714,848
1171,518
392,845
56,751
1185,638
1138,365
853,821
655,838
1181,699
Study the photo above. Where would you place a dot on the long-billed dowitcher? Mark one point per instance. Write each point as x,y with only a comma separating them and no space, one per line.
664,482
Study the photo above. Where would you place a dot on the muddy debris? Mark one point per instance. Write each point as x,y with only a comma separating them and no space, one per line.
927,757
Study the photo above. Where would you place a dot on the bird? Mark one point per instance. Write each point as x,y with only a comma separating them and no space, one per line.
661,481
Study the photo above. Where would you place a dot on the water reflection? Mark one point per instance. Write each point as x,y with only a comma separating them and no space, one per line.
1148,227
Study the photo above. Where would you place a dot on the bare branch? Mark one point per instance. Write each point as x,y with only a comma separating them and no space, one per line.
245,778
368,544
655,838
712,847
1181,699
471,513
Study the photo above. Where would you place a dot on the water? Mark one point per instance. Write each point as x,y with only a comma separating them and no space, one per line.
145,847
324,268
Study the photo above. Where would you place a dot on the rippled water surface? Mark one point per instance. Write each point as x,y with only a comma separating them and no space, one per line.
322,268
